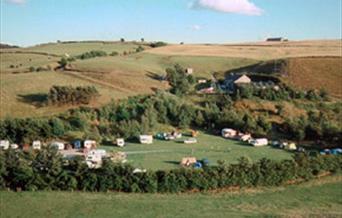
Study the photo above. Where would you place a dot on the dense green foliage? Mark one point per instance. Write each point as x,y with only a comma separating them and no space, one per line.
91,54
60,95
142,114
179,81
158,44
46,170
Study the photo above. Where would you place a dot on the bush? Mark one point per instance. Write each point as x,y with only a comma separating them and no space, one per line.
60,95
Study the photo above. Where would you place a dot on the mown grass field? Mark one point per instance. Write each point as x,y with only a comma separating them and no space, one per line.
317,198
168,154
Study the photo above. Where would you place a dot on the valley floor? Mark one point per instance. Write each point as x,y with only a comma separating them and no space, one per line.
317,198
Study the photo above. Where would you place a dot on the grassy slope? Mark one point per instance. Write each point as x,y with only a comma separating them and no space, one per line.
23,61
13,86
318,198
167,154
82,47
316,73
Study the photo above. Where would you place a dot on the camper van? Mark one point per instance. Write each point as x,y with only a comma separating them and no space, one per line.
4,144
259,142
36,145
58,145
146,139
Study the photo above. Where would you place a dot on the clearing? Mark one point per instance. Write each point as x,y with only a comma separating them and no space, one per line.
168,154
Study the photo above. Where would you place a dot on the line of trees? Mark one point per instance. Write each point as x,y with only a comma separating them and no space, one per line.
143,114
46,170
61,95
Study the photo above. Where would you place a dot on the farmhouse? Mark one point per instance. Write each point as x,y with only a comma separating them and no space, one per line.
146,139
276,39
234,80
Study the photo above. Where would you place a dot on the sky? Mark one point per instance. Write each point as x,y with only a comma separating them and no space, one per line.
29,22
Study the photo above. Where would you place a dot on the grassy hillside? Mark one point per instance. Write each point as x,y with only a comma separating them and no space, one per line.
318,198
121,76
77,48
316,73
21,92
260,51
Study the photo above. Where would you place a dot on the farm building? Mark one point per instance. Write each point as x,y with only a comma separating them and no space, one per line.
146,139
188,161
4,144
259,142
89,144
58,145
234,80
36,145
189,71
120,142
277,39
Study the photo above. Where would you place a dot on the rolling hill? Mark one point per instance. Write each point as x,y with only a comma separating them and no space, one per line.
137,73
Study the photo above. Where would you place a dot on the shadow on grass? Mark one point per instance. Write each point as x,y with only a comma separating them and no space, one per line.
172,162
154,76
38,99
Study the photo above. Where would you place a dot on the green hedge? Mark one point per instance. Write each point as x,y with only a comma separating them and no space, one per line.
46,170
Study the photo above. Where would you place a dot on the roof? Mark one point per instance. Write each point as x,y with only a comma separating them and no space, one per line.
237,78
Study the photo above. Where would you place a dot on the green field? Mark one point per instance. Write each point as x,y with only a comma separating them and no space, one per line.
317,198
167,154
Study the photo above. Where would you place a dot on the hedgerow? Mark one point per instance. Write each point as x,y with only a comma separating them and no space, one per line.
46,170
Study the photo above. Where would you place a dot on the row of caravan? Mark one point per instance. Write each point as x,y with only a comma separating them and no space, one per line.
37,145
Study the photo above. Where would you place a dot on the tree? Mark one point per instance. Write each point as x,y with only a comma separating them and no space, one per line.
142,40
63,63
122,40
